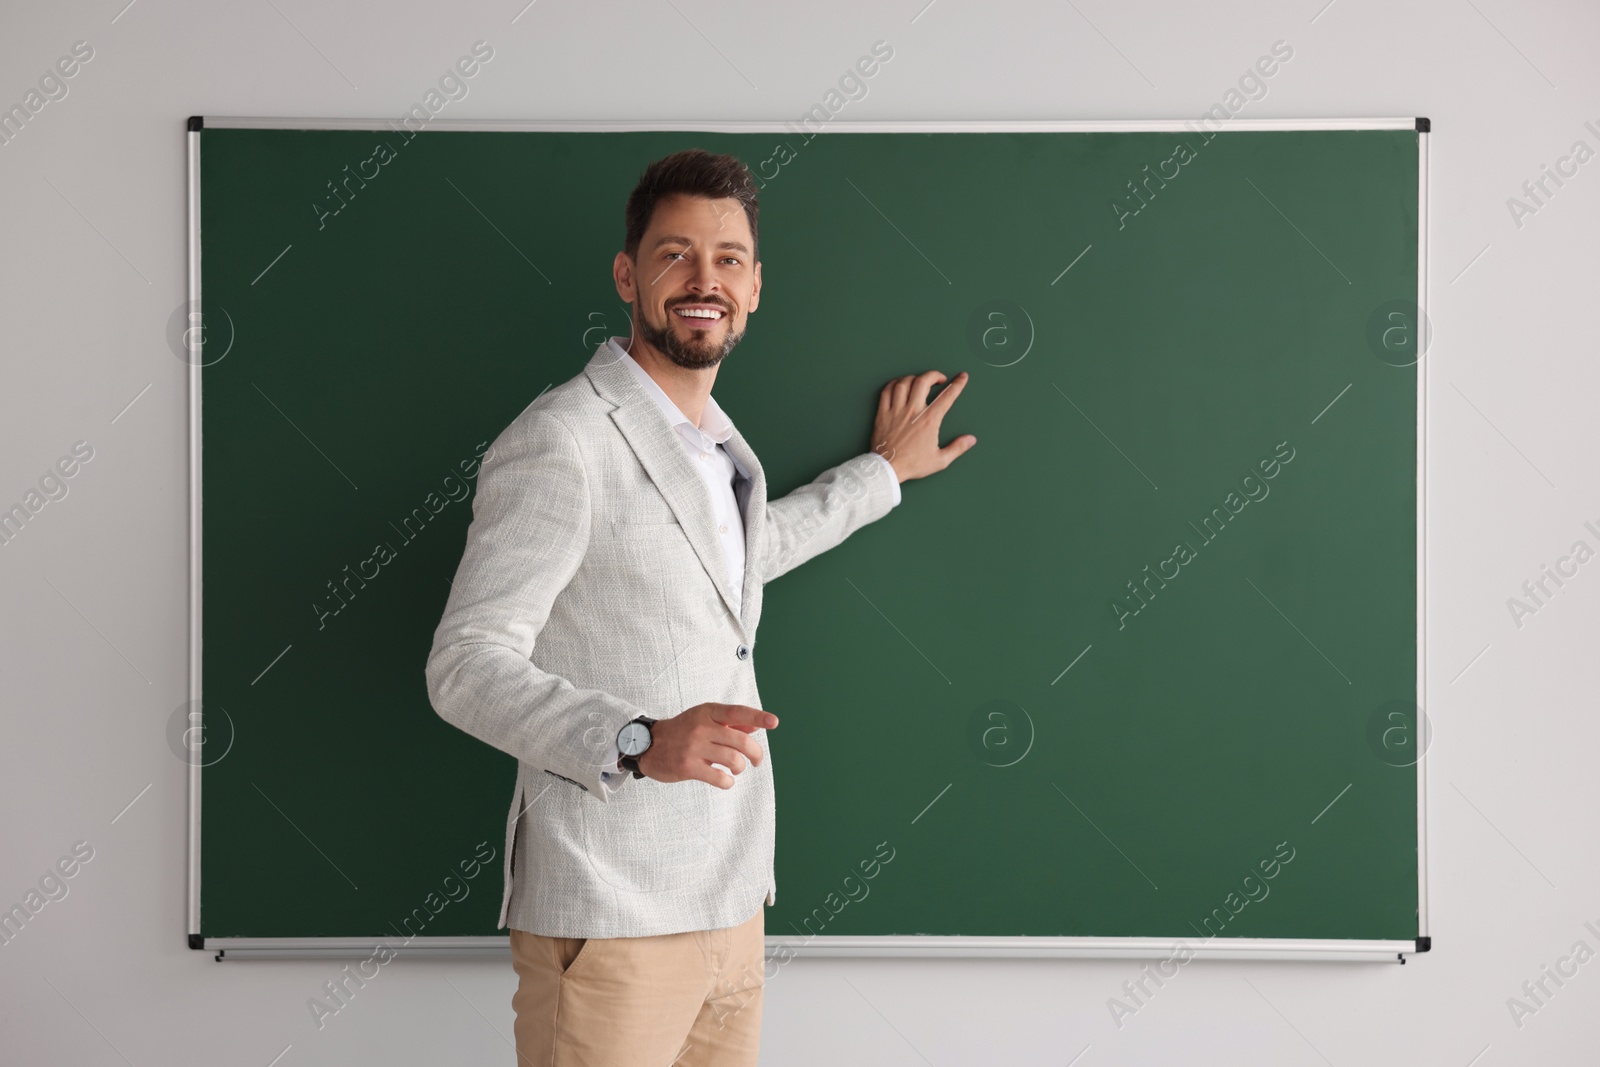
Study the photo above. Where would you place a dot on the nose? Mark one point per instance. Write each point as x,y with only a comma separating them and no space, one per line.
702,275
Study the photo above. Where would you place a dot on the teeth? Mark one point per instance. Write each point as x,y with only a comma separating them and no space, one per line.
699,313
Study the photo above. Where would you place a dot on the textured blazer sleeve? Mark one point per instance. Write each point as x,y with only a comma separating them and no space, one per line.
819,515
529,533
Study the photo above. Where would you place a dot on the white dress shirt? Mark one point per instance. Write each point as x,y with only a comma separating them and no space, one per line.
717,469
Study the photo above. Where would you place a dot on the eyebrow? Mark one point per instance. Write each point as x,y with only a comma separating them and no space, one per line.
678,238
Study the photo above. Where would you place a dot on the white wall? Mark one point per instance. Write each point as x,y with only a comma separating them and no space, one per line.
92,632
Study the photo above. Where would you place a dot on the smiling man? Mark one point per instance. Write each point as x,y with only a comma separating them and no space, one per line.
601,628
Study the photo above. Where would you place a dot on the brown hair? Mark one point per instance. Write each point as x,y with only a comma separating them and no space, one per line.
692,172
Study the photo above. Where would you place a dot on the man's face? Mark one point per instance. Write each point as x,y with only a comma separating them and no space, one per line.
695,281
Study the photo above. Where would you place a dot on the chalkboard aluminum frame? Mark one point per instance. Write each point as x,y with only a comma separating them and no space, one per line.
922,946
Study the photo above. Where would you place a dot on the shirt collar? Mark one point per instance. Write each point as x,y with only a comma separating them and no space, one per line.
714,424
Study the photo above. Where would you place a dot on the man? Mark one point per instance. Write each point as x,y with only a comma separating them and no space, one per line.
601,629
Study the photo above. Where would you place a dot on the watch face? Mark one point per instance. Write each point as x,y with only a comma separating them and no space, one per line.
633,739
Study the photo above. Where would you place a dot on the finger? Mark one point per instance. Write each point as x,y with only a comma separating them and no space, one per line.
902,386
924,382
884,396
739,742
739,753
705,771
743,715
948,454
948,394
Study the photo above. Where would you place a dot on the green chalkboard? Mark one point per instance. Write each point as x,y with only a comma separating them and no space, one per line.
1144,663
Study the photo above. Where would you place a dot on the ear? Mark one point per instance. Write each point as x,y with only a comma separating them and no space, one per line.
622,274
755,291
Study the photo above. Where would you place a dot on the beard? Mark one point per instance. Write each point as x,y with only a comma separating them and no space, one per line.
694,355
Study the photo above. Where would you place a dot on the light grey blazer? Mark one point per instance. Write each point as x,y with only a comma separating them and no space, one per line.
592,590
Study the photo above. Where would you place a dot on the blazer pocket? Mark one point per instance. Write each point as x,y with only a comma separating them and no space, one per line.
651,836
626,510
621,530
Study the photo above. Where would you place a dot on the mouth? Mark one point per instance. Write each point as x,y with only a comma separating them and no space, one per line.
699,316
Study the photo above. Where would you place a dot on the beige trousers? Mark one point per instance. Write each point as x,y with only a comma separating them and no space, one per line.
671,1000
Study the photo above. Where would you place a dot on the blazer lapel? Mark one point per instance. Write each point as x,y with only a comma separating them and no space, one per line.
752,496
660,451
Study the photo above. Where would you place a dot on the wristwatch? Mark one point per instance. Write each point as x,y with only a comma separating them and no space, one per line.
633,741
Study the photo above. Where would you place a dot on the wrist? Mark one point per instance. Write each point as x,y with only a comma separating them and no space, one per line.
887,454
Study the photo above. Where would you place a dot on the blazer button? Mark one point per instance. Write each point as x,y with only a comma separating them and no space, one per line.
743,652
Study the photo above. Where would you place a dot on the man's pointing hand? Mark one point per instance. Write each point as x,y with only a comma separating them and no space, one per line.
684,747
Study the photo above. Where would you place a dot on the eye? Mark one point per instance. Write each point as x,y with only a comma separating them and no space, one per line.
725,259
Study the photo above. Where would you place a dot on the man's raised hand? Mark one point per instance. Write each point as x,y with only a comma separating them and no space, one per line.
906,431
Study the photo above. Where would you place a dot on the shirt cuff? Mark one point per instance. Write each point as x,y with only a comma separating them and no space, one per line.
894,478
609,770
